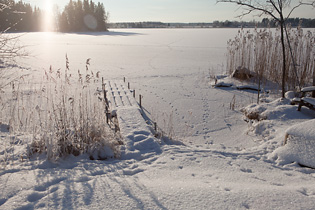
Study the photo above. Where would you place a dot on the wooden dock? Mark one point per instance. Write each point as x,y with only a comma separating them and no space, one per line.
139,142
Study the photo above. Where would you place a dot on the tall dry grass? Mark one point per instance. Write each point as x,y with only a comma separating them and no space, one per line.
64,114
259,50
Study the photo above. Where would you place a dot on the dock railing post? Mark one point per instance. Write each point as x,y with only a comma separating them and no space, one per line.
140,101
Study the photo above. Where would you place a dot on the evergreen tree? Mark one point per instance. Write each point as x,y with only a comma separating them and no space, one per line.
72,18
86,7
100,17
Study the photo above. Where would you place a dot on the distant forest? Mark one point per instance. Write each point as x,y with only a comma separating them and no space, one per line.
294,22
77,16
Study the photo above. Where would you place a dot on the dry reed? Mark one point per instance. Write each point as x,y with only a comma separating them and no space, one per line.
63,114
259,51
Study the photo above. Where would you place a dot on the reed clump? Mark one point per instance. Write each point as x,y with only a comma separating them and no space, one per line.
63,114
259,51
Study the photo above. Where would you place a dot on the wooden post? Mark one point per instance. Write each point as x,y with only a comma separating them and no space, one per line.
107,117
104,93
134,93
313,93
124,79
128,85
140,101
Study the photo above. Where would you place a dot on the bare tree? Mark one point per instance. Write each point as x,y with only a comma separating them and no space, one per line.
9,47
279,10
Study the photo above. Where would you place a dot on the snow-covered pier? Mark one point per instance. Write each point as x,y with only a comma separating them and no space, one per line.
139,141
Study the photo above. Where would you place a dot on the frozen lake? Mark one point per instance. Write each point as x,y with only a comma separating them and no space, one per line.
130,52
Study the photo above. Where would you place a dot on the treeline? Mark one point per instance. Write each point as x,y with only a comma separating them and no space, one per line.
83,16
294,22
19,16
265,23
159,25
77,16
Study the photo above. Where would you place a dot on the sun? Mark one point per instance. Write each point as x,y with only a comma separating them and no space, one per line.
48,19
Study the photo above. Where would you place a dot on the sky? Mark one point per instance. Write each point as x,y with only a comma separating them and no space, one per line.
170,10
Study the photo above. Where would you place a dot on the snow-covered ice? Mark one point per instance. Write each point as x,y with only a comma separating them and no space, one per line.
224,161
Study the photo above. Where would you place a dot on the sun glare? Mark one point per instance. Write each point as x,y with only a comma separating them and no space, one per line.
48,22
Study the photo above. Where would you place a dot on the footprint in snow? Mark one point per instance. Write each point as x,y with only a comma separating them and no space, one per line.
26,207
277,184
35,197
246,170
306,192
132,172
82,179
40,188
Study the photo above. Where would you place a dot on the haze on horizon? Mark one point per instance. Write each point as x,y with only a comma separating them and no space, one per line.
170,10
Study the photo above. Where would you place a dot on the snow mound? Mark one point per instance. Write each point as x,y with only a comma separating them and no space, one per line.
300,145
139,141
305,130
279,109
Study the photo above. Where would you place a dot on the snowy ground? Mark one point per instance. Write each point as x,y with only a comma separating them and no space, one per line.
226,163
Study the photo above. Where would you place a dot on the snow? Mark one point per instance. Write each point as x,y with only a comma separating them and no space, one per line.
300,145
307,89
304,130
223,162
309,100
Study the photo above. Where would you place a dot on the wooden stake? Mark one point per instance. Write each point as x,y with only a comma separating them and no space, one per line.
107,117
140,101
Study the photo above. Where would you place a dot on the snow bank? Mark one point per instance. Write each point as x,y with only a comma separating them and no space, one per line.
280,109
300,145
139,141
304,130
